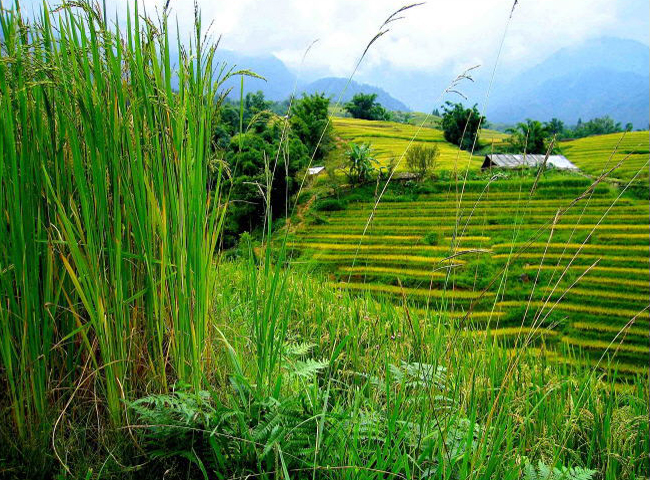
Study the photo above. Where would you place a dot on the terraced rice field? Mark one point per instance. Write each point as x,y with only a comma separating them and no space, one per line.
593,155
597,154
504,263
390,140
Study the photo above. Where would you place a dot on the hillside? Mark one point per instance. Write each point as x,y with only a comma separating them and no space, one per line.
496,260
592,154
489,329
597,154
390,140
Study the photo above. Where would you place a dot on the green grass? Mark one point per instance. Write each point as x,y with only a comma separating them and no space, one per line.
108,231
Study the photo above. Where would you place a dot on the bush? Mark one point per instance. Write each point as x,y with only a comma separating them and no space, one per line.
361,162
330,205
432,238
421,159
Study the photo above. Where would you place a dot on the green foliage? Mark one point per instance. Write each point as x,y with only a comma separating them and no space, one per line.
596,126
432,238
329,205
108,230
556,127
461,125
122,324
264,165
360,162
421,159
253,431
310,123
544,472
530,137
365,107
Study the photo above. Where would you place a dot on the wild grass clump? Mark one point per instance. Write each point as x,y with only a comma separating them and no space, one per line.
108,231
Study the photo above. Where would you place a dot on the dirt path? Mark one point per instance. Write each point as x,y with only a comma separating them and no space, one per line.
300,213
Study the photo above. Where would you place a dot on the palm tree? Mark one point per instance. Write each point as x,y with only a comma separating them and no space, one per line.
530,136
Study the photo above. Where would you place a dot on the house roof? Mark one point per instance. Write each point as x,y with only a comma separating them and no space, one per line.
315,170
518,161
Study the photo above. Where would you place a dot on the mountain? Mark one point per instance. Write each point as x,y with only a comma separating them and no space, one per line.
279,80
603,76
333,86
606,76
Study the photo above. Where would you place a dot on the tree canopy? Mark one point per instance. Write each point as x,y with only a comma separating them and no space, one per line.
366,107
262,157
310,122
530,136
461,125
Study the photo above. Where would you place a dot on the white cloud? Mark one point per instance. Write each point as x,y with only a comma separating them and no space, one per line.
433,36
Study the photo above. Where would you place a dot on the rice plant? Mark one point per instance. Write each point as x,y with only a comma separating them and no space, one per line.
109,234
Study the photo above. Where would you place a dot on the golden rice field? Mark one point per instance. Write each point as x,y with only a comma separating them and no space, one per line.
503,263
593,155
600,153
390,140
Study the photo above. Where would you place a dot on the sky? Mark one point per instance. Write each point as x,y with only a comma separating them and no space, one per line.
435,36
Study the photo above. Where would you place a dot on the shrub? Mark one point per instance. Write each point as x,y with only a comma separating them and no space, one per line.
329,205
421,159
361,162
432,238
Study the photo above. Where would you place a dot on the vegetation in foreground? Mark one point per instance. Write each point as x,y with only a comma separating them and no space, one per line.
129,351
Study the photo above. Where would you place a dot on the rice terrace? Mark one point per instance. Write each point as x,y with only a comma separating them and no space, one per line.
222,258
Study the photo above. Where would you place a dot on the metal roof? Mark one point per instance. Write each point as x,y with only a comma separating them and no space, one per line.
315,170
518,161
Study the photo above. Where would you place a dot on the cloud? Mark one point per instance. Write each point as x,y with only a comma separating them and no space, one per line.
436,36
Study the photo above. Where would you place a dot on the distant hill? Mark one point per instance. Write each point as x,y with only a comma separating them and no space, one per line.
279,79
607,76
333,86
604,76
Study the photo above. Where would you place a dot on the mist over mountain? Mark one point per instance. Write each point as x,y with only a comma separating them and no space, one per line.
605,76
278,80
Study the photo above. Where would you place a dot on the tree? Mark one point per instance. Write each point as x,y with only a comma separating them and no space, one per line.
421,159
251,158
360,162
365,107
556,127
310,122
460,124
596,126
530,136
